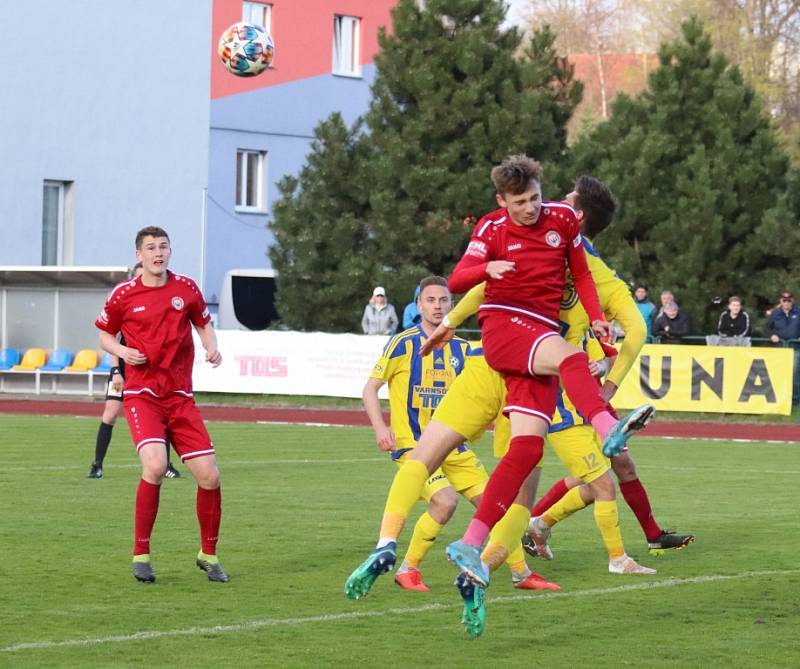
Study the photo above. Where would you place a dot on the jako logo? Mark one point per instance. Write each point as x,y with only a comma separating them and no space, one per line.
257,365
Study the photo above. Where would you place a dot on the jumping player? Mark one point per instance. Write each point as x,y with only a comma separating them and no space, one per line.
521,251
154,313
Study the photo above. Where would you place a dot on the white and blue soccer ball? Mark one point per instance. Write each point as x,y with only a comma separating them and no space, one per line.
246,49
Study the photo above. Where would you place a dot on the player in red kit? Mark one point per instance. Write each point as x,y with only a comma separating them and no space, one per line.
521,251
155,312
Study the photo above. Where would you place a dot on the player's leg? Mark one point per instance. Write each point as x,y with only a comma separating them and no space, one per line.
146,423
524,453
555,356
111,410
635,495
187,431
441,507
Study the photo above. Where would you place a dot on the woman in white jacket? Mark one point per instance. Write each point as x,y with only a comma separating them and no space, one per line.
379,316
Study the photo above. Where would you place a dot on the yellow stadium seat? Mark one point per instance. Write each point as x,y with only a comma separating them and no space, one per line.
84,361
32,360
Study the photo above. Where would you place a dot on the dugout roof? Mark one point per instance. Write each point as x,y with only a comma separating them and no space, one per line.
36,276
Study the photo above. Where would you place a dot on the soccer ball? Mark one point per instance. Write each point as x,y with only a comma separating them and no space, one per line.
245,49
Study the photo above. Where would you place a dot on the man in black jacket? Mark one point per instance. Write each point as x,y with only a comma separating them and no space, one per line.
784,321
672,325
734,322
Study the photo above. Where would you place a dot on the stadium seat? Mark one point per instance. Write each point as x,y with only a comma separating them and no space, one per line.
84,361
8,358
59,359
31,361
105,364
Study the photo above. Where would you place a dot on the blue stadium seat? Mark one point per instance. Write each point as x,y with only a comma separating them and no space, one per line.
105,364
8,358
59,359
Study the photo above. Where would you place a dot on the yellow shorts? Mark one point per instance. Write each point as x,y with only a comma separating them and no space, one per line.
461,470
474,401
579,450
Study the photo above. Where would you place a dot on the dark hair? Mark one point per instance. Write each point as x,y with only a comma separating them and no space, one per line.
432,281
515,174
596,202
150,231
640,285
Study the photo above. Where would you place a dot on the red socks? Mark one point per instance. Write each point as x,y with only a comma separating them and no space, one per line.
636,497
582,389
524,453
146,509
209,512
555,493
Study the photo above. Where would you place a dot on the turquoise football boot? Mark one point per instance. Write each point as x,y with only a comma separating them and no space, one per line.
379,562
623,429
474,616
468,558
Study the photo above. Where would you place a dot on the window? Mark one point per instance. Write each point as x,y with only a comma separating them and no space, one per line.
346,46
52,222
250,172
258,13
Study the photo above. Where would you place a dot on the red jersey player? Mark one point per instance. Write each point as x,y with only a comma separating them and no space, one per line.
155,312
522,251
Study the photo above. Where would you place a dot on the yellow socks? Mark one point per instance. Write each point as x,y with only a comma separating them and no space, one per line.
565,507
504,541
606,516
425,532
403,494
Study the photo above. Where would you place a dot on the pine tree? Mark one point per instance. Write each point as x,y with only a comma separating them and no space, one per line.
451,100
705,206
323,251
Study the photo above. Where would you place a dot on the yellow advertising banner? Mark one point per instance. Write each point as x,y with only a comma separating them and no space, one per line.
710,378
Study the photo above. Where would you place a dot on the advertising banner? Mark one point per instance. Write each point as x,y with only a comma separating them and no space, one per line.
710,378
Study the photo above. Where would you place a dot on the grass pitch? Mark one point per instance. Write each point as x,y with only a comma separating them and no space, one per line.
301,510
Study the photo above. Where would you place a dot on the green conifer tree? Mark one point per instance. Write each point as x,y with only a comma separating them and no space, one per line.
705,208
323,251
452,99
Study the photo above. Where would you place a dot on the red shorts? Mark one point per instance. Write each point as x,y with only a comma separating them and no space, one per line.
509,345
151,418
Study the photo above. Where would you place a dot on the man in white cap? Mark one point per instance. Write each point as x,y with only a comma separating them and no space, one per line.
379,316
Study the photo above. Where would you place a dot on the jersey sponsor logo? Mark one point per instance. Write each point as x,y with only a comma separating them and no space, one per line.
553,238
205,313
377,369
425,397
103,317
513,247
577,241
136,309
476,248
177,303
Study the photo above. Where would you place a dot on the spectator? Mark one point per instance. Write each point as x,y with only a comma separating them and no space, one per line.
784,322
411,315
671,326
379,316
646,308
733,322
666,298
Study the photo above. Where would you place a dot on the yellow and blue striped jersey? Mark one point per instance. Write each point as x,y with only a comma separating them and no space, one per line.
416,384
573,317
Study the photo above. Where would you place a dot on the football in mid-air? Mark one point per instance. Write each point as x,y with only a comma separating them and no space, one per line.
246,49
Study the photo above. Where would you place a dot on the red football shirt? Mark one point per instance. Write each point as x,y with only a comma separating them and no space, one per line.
157,321
542,253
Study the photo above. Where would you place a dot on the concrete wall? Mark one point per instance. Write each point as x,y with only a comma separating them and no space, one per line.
109,96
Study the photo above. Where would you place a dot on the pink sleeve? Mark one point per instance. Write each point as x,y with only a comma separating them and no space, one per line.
582,276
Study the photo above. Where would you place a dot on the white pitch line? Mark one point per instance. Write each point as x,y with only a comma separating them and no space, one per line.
733,441
352,615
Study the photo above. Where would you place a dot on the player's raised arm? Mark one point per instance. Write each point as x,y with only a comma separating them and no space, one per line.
466,307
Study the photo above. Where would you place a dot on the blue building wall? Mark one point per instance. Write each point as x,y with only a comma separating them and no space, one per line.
279,120
95,93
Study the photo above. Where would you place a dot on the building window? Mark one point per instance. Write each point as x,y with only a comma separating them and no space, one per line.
250,172
53,222
259,13
346,46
